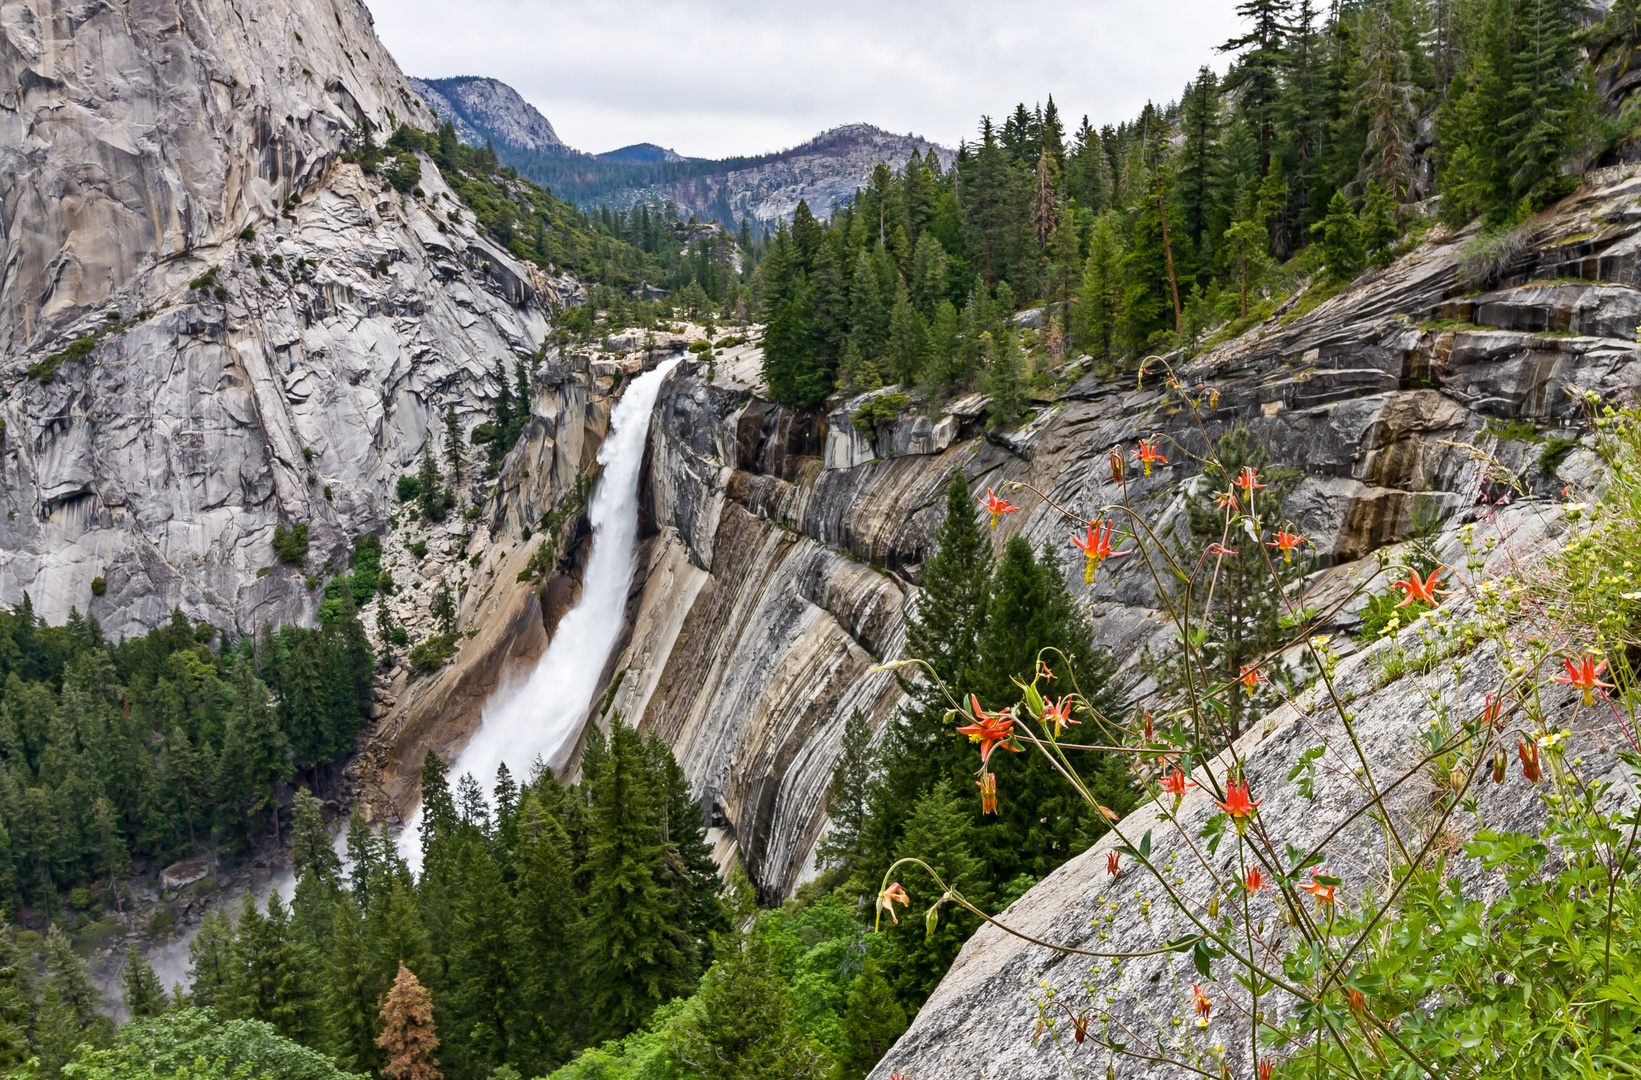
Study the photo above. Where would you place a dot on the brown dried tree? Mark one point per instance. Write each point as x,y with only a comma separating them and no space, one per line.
407,1035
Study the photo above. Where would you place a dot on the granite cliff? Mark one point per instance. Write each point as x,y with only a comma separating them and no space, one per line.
212,326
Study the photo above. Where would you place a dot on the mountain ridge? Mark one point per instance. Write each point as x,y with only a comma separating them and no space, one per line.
766,188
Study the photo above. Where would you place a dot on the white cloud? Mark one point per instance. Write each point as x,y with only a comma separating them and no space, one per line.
713,78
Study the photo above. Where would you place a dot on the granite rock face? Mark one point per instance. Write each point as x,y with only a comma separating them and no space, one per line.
143,153
787,545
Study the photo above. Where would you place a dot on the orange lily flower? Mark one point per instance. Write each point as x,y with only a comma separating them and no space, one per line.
1200,1000
1248,480
1117,472
1251,677
989,729
1286,541
988,793
1324,893
1097,547
1112,861
1238,805
1058,713
1147,453
1174,782
1254,879
889,897
1423,590
1585,675
1528,753
996,507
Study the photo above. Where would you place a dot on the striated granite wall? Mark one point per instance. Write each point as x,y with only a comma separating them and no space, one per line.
788,545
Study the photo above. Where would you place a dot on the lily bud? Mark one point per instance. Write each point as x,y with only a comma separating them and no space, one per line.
931,921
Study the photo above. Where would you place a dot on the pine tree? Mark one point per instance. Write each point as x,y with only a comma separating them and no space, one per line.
1341,239
1100,305
1384,96
931,270
937,832
1005,380
632,958
68,1015
143,994
943,369
354,980
903,352
848,796
872,1020
484,978
1244,623
272,974
1378,225
689,873
210,957
1258,71
546,915
408,1040
431,496
312,851
744,1027
453,443
1199,158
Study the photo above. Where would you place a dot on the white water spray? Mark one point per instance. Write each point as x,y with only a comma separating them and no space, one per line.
542,717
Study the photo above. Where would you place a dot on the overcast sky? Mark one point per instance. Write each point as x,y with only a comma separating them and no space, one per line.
712,78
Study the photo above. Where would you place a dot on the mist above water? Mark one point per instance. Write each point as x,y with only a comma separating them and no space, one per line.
543,715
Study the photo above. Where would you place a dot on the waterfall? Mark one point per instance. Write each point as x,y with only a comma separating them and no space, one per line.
543,716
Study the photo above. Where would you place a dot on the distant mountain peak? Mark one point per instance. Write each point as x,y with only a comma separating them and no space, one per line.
481,109
643,153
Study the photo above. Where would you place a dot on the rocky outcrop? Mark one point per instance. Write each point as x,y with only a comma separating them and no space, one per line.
265,336
489,110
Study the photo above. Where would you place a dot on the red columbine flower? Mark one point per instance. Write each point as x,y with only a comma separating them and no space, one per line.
1254,879
1226,500
1528,753
1422,589
888,898
1200,999
1147,453
1174,782
988,793
1585,675
1097,547
1265,1066
1058,713
1286,541
1324,894
1117,472
1238,805
1356,1000
1248,481
989,729
996,507
1251,677
1043,671
1112,863
1220,550
1490,712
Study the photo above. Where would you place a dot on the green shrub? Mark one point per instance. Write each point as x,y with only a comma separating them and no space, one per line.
205,281
482,434
408,489
247,233
399,636
419,549
1554,452
883,409
99,586
291,546
431,654
404,174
